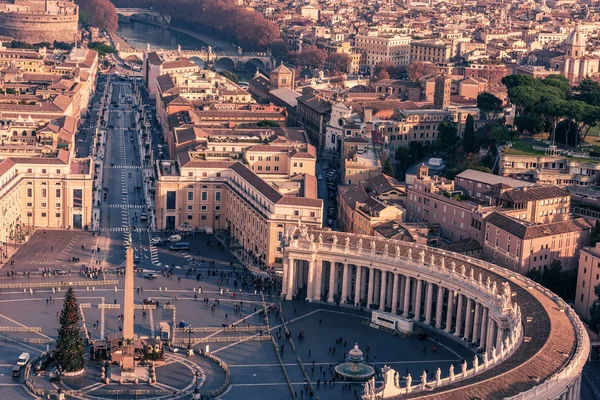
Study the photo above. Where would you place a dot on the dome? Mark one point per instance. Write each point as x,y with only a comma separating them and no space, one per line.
575,38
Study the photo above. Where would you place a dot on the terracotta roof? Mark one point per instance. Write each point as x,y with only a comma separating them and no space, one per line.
526,230
383,183
154,59
254,180
165,83
534,194
353,193
178,64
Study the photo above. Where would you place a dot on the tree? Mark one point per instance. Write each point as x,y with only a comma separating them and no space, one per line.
489,104
417,70
382,74
469,136
310,57
534,274
524,97
69,352
558,81
588,91
339,62
388,169
446,135
529,124
596,233
102,13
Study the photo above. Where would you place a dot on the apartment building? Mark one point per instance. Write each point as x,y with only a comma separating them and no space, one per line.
379,47
364,207
421,125
520,245
312,112
433,51
588,276
227,195
52,191
550,169
430,199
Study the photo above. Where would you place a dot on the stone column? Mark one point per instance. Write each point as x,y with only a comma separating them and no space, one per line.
459,312
476,323
286,273
332,274
383,290
449,312
364,284
483,333
371,286
418,299
406,297
318,280
468,319
310,283
490,334
357,285
291,278
376,286
345,284
395,294
499,337
439,304
402,289
428,303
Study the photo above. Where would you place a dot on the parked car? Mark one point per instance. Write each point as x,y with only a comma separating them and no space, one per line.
16,371
185,227
183,324
175,238
150,275
156,241
320,177
143,217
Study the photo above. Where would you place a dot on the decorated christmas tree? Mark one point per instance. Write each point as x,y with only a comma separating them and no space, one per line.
69,344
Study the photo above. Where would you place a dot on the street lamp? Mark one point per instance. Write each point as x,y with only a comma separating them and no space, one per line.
59,372
196,389
189,348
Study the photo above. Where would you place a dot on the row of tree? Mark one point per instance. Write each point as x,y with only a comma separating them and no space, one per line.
100,13
248,28
552,105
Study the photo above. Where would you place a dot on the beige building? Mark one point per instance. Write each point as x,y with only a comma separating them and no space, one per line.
522,246
588,276
44,192
227,195
361,212
550,169
433,51
379,47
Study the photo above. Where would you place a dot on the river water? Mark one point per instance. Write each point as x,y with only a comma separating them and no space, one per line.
137,34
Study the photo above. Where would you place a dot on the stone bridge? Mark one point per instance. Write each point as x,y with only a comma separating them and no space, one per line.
145,14
236,59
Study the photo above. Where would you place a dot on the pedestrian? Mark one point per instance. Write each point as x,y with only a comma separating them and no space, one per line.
434,348
424,349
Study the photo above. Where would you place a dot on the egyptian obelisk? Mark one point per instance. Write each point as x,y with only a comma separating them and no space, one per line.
128,302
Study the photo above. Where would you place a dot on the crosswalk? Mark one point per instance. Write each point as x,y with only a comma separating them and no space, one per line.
123,206
154,256
123,229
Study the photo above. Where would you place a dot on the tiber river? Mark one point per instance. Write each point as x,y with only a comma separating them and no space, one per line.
137,34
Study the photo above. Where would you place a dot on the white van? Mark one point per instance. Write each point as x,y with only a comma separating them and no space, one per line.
23,359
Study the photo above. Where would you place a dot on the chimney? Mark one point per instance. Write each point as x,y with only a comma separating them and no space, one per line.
368,115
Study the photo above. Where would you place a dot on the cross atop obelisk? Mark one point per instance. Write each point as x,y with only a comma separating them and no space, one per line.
128,302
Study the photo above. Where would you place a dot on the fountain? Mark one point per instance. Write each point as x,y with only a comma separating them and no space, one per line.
354,369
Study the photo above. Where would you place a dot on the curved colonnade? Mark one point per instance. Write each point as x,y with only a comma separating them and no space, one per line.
532,344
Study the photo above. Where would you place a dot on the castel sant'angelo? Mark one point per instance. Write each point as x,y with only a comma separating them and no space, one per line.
36,21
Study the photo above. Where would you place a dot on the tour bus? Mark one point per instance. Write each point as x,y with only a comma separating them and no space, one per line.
180,246
390,321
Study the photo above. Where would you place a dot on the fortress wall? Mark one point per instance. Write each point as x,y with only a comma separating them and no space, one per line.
35,28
